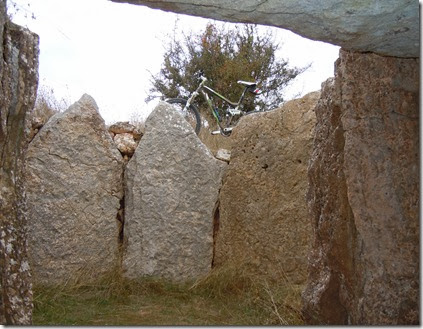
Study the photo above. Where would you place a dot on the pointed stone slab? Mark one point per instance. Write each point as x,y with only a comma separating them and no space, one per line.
74,187
172,185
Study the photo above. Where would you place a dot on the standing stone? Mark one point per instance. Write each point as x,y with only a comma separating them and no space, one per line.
74,187
264,221
172,186
364,195
18,85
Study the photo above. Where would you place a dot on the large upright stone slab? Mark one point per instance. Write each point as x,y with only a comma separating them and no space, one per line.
264,223
74,188
18,85
388,27
364,195
172,185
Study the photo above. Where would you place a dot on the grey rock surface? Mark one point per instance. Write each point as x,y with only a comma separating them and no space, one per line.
172,186
74,187
386,27
18,84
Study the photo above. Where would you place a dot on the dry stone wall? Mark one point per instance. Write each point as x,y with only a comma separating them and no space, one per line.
74,187
18,84
172,185
126,137
364,195
264,223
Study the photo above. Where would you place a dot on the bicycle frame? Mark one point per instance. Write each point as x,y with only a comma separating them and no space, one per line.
230,112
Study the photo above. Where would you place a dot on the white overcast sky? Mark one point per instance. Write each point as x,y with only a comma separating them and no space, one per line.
106,50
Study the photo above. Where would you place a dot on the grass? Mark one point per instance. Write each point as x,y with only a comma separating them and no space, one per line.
225,297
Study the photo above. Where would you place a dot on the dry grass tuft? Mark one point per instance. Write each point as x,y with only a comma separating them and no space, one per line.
47,104
229,280
278,303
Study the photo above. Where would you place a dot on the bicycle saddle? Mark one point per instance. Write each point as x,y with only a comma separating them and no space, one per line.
246,83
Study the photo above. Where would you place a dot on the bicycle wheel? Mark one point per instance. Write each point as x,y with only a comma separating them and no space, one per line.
191,114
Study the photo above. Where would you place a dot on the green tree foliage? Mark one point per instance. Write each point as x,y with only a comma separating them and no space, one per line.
225,55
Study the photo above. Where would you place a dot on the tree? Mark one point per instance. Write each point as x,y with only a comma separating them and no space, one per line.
225,55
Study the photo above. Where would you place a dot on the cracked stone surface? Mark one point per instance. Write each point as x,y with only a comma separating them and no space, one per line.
388,27
172,186
18,83
74,186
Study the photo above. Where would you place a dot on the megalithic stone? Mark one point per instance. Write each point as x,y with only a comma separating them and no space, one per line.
364,195
264,222
388,27
74,188
172,186
18,85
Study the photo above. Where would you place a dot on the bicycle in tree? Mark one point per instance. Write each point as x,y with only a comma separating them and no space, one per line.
226,118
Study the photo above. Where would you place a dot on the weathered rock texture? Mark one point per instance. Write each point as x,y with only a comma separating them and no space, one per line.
364,195
74,186
264,220
172,185
388,27
18,85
